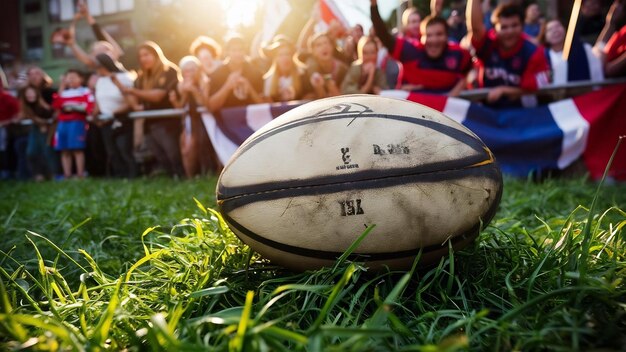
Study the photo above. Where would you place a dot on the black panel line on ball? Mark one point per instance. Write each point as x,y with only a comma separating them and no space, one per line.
228,204
449,131
436,168
449,165
331,255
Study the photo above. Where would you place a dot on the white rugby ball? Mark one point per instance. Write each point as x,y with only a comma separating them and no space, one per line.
303,188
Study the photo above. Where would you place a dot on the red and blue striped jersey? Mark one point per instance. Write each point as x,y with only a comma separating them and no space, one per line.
73,104
435,75
525,66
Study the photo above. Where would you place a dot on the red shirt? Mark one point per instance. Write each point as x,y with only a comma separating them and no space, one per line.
9,106
76,97
616,45
435,75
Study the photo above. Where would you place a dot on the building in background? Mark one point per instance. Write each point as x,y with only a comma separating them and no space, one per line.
26,27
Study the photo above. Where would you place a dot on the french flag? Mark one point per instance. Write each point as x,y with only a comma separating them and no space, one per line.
232,126
549,137
523,140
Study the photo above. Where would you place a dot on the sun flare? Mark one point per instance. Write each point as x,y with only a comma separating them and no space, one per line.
239,12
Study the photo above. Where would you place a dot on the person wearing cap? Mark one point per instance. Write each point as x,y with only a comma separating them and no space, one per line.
285,80
363,76
117,128
237,82
208,51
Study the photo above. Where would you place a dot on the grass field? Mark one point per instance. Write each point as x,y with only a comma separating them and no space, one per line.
141,265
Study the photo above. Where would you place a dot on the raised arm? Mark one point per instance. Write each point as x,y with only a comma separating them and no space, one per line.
98,31
101,33
379,27
610,27
436,6
308,29
474,17
78,52
616,67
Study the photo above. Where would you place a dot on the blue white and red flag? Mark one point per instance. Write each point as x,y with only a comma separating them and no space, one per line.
523,140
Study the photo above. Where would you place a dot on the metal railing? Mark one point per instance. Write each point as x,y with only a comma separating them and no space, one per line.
473,95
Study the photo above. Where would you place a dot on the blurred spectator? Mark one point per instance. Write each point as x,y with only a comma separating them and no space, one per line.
433,64
487,9
614,53
591,20
9,109
117,129
197,152
285,79
363,76
509,63
324,71
104,44
16,76
456,26
73,105
208,51
351,41
581,65
41,156
391,67
338,35
533,22
18,134
37,78
334,31
411,20
158,76
237,82
96,157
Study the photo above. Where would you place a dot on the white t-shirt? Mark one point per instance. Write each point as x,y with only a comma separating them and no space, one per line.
109,98
559,66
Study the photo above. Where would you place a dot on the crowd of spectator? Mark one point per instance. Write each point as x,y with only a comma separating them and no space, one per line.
83,126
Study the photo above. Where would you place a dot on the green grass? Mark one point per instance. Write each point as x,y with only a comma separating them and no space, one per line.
110,265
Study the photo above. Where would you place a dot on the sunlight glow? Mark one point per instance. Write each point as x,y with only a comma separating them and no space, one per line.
239,12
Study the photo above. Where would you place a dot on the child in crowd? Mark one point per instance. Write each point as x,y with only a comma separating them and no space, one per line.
73,103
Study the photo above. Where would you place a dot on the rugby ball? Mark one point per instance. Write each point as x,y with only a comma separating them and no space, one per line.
303,188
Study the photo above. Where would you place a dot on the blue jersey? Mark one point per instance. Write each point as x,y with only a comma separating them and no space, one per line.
525,66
